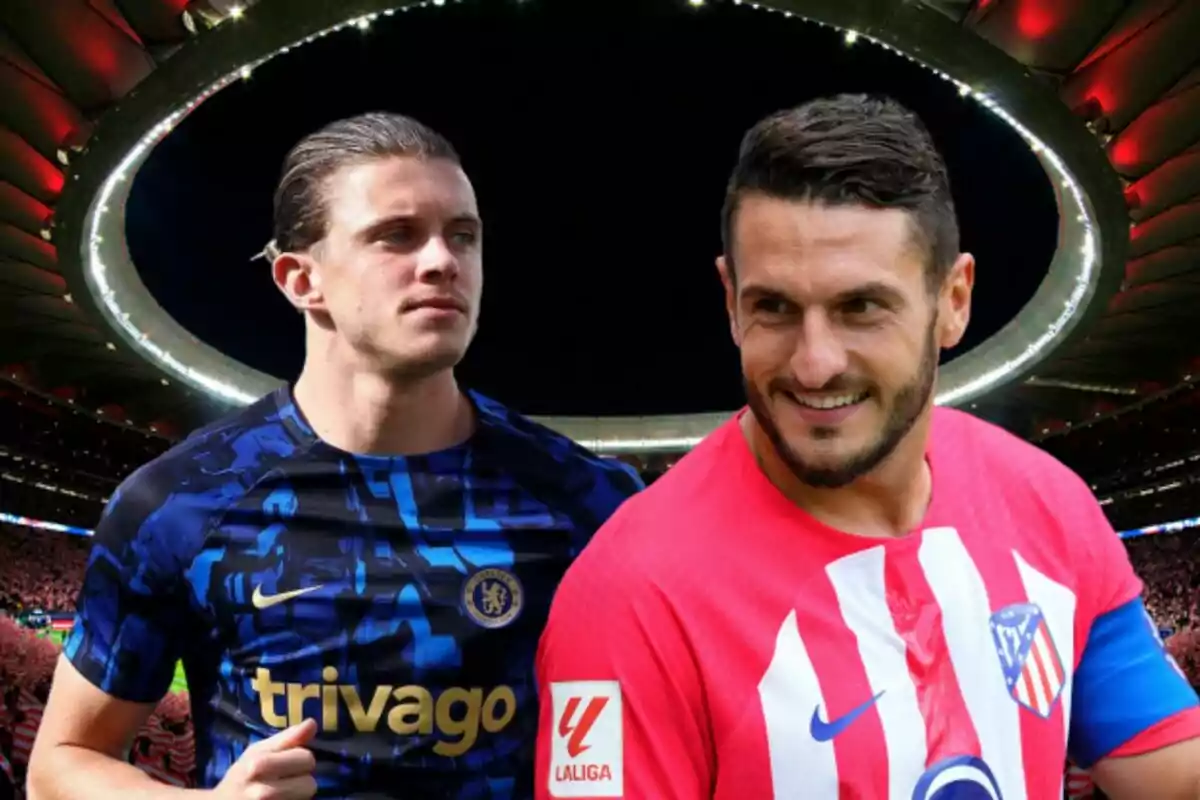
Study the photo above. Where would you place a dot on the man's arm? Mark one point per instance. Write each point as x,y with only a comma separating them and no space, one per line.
621,701
120,657
1135,721
132,623
81,740
1124,777
85,733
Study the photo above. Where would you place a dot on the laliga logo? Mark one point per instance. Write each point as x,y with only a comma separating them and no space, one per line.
958,778
586,750
578,731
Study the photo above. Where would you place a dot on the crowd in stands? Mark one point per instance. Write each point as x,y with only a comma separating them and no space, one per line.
164,747
1169,565
39,570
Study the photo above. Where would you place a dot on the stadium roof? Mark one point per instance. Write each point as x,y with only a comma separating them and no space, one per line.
1111,87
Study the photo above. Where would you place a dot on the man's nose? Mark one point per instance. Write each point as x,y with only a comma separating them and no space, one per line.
820,355
436,261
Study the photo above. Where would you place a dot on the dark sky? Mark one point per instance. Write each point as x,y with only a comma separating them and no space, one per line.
599,136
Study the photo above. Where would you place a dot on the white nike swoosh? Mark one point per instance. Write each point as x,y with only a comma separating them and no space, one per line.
261,600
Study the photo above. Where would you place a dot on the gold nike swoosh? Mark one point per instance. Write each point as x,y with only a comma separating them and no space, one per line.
261,600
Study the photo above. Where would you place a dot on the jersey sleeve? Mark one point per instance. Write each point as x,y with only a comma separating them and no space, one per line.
1109,581
131,613
1128,694
621,711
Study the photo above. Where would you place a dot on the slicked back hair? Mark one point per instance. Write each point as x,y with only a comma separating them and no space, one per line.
301,213
850,149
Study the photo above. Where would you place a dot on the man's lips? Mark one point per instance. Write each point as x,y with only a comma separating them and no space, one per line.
437,304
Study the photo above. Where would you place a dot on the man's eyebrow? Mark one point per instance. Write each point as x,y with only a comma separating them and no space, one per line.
397,220
756,291
870,290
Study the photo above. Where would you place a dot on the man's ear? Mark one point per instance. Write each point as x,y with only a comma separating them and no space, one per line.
954,301
296,276
729,282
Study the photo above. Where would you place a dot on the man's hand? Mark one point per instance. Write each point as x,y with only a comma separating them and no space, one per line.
279,768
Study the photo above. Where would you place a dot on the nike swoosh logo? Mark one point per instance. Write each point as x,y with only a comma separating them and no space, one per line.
823,731
260,600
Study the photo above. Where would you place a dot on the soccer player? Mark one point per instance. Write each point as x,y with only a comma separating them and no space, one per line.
844,592
354,571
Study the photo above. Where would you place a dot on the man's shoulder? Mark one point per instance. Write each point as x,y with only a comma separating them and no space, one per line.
678,517
206,472
964,436
529,446
1042,497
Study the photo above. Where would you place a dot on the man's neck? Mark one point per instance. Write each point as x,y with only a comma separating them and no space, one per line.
366,413
888,502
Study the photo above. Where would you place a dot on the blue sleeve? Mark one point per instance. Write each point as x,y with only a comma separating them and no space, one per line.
1126,683
131,617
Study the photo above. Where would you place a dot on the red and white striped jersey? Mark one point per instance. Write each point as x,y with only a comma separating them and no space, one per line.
29,717
183,752
715,641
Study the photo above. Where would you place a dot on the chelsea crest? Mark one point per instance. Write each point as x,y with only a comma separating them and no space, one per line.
493,597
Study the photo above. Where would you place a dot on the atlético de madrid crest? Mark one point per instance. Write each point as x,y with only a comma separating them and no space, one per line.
1032,668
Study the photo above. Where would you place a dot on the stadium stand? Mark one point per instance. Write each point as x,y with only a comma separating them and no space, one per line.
163,747
1144,463
60,463
39,569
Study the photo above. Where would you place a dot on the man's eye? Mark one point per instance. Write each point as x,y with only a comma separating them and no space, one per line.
464,238
771,305
398,236
860,306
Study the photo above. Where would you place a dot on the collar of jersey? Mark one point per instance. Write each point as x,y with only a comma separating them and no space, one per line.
490,415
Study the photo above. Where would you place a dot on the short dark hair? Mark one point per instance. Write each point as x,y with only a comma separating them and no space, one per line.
849,149
301,218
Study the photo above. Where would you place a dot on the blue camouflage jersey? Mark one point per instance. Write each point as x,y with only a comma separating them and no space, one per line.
396,601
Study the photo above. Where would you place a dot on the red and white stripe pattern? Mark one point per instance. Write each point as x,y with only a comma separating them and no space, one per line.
29,717
915,629
1042,675
183,753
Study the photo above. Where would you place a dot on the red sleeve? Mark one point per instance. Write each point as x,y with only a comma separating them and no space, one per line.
1109,584
622,713
1173,730
1109,581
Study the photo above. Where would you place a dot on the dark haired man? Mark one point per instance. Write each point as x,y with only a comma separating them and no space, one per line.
355,571
844,592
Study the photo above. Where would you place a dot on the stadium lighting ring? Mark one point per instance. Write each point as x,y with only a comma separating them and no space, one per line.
1085,269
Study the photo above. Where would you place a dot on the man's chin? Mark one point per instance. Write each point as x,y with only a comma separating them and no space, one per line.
826,463
415,364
